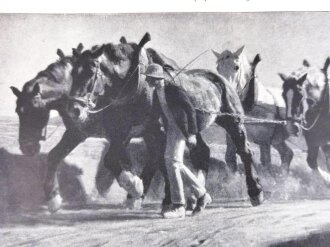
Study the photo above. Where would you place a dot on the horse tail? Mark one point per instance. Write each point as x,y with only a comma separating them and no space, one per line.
277,106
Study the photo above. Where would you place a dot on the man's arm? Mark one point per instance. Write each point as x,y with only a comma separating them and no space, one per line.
190,110
151,121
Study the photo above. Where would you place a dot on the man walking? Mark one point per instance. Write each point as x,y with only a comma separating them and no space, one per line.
173,106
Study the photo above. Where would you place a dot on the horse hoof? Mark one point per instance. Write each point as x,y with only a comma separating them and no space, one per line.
54,204
257,200
133,203
131,183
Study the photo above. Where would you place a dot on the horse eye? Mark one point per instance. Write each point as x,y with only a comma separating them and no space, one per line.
116,62
227,56
122,49
92,64
20,110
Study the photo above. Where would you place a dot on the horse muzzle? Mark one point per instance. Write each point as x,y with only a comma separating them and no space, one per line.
30,148
293,127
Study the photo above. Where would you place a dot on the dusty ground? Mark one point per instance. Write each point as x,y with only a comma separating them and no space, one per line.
295,212
223,224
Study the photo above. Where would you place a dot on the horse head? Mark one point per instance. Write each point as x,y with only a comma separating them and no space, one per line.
33,118
37,98
303,90
109,67
229,63
235,67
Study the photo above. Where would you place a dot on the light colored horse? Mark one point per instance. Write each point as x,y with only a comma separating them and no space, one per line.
236,68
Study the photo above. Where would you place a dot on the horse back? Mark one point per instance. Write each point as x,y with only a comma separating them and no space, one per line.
229,100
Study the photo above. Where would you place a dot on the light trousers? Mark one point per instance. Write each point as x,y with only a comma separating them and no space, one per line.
177,171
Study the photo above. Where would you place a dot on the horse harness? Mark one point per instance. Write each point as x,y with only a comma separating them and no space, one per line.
88,102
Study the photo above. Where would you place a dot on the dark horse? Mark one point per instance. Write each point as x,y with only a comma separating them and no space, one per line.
48,91
258,102
38,97
306,94
128,102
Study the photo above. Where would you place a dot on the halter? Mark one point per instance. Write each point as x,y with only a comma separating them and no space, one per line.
301,121
88,102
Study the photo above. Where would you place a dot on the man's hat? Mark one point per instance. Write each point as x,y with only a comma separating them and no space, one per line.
155,70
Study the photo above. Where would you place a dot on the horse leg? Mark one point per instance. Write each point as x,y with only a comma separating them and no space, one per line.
113,159
200,159
312,153
265,156
230,156
326,151
237,132
103,180
69,141
155,142
286,154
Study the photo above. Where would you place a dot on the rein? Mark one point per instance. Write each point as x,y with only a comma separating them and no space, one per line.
304,127
119,94
193,60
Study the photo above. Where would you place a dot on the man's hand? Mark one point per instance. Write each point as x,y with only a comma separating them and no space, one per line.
135,131
192,141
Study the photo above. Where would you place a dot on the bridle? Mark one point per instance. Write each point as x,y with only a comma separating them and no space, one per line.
89,101
302,120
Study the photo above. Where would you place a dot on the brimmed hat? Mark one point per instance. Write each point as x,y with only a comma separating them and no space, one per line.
155,71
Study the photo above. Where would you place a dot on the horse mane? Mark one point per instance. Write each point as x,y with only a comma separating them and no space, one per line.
54,73
244,74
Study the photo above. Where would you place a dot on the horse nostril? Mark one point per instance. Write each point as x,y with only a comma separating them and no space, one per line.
76,112
296,128
236,67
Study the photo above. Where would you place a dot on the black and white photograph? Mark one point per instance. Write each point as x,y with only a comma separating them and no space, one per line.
165,128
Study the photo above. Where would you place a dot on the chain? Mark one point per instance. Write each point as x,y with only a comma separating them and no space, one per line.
246,119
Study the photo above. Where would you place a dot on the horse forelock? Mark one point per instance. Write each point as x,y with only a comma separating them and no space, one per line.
315,78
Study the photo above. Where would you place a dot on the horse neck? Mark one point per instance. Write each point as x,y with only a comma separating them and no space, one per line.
54,94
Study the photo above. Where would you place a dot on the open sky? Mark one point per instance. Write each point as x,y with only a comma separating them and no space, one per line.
283,39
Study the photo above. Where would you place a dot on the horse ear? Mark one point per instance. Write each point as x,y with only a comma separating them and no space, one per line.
60,53
145,39
283,77
306,63
216,54
256,60
123,40
98,52
310,102
15,91
301,80
239,51
36,89
77,51
326,66
80,47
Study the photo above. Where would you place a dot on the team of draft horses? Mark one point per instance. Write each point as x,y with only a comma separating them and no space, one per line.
125,90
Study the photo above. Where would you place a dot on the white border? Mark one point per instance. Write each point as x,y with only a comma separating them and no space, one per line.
147,6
